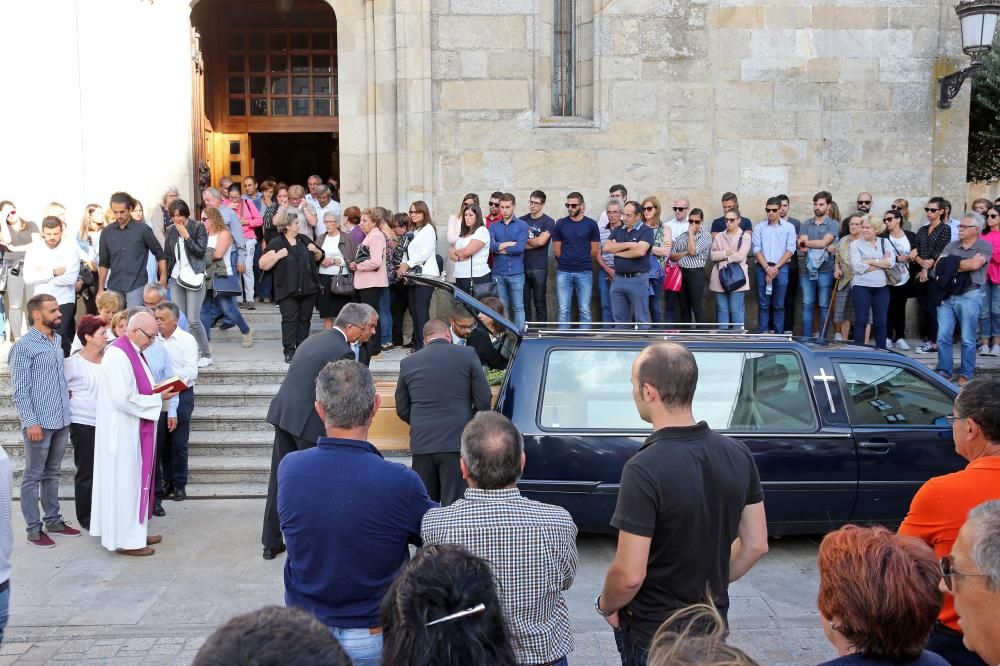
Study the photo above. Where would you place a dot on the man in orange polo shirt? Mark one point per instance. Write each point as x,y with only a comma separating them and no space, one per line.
941,505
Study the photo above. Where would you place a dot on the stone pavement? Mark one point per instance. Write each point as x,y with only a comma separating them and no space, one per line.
81,604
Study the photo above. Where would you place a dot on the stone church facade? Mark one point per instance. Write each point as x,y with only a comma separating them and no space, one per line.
436,98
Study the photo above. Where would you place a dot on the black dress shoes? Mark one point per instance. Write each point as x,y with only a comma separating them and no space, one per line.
158,510
288,356
179,495
168,492
271,553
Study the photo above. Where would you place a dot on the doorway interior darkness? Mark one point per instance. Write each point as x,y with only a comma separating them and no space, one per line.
293,157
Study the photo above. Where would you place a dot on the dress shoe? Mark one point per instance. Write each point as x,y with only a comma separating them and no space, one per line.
153,540
180,495
271,553
288,356
136,552
158,510
168,492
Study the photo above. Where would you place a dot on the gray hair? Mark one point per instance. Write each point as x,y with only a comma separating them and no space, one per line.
617,203
347,392
285,220
986,550
331,215
977,220
322,189
211,191
160,290
170,190
492,448
354,314
175,311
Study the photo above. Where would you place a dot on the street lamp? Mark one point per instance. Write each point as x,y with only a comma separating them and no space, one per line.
979,24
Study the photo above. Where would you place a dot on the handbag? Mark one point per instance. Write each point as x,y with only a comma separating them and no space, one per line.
364,253
186,277
672,276
893,274
732,277
342,285
484,288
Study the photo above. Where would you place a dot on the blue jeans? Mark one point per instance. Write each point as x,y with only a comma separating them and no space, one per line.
510,289
656,299
385,316
730,309
604,289
989,312
4,611
582,284
961,310
876,301
773,304
42,464
361,646
213,306
628,295
823,285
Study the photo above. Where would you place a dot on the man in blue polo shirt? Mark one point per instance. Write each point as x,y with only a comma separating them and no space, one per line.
348,515
508,237
630,244
576,241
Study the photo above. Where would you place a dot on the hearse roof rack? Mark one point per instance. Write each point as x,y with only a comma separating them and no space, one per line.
702,330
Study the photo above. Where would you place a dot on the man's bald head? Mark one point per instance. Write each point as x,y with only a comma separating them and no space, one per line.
435,329
141,329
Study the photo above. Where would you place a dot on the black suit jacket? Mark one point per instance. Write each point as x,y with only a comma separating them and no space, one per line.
293,409
440,387
481,341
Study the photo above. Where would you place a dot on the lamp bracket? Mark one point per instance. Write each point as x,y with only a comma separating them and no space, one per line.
950,85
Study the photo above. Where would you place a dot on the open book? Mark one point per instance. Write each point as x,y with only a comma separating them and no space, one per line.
175,384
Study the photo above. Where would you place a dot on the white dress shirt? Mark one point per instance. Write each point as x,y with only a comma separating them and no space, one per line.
183,351
39,262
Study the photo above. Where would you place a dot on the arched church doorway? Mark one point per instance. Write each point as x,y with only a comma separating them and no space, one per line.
267,90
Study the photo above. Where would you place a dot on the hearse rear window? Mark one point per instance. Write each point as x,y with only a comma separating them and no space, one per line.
590,389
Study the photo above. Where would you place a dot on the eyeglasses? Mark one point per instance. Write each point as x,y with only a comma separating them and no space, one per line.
465,327
536,203
992,215
572,206
948,571
771,210
678,209
694,221
735,219
150,305
895,207
967,226
416,212
204,218
148,336
649,208
951,418
887,220
494,204
864,203
933,210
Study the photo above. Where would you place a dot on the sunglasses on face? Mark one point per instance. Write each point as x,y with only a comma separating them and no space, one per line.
991,215
494,204
771,210
678,209
572,206
895,207
649,208
933,210
735,219
864,203
694,221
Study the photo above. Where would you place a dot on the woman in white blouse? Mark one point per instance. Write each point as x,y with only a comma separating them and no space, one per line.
421,257
869,288
82,369
456,227
472,251
338,253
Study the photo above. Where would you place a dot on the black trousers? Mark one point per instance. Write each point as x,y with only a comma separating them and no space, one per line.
284,443
535,285
172,447
370,297
925,292
67,327
692,295
82,437
897,311
948,643
442,476
399,304
420,310
791,292
296,317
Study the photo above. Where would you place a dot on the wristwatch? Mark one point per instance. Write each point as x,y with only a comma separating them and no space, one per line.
597,607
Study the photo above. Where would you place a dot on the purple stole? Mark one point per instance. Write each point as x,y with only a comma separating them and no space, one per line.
147,429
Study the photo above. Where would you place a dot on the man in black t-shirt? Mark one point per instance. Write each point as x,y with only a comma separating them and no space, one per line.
690,511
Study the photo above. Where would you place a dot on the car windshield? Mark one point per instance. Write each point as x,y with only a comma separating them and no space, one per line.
587,389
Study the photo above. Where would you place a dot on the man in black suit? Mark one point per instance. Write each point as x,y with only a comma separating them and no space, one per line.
293,414
467,330
440,388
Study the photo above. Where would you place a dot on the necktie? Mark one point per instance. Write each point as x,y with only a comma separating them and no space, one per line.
357,351
461,342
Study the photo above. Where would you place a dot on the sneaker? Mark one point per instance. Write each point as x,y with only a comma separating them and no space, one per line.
838,337
251,306
995,351
248,340
901,345
226,326
204,361
40,539
62,528
927,348
984,350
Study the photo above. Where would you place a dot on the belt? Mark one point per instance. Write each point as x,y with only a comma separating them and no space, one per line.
972,288
631,275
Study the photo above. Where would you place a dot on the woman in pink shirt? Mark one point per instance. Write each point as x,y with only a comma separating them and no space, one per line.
989,312
730,247
370,276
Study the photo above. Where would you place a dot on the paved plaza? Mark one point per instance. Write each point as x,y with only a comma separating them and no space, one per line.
79,603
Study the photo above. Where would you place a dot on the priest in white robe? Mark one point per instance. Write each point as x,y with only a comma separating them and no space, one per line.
125,442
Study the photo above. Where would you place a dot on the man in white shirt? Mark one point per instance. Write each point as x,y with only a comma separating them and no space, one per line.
616,191
679,225
53,268
312,182
173,433
322,204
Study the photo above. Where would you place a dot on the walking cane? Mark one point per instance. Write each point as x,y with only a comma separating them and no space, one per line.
829,310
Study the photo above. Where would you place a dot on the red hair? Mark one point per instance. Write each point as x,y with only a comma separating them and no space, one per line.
880,589
89,324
